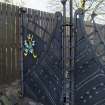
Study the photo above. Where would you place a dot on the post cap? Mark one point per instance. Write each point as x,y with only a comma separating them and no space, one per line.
63,2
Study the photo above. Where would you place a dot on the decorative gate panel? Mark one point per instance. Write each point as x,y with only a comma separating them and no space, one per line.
42,68
89,67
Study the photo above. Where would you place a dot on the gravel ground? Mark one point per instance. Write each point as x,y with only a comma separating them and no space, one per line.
10,95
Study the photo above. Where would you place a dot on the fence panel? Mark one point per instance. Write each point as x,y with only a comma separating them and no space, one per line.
9,43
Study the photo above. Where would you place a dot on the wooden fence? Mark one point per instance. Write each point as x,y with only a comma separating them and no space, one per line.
10,37
9,43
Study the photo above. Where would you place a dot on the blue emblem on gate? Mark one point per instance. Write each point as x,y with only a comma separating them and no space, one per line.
29,44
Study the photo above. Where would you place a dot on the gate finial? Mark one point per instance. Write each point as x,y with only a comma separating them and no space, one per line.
63,2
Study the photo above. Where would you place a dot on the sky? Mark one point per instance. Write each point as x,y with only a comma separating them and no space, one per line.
34,4
37,4
43,6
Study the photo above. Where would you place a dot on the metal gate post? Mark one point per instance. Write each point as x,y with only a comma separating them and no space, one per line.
68,69
23,33
64,54
72,53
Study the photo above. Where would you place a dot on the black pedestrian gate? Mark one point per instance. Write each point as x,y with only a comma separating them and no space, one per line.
42,57
89,64
57,69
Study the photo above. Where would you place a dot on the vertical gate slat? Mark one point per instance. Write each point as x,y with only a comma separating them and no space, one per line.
8,42
13,73
43,24
48,26
0,23
51,23
29,11
17,24
45,38
4,22
37,20
47,20
0,42
6,50
44,21
40,30
3,64
40,24
15,42
9,37
33,19
4,42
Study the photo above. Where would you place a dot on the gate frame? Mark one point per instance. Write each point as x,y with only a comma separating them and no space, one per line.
68,73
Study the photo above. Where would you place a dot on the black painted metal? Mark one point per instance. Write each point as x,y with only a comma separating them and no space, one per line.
72,57
42,77
65,91
89,72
